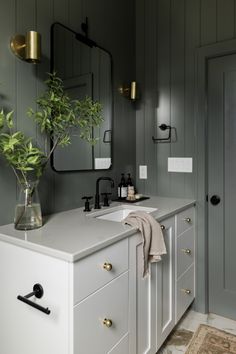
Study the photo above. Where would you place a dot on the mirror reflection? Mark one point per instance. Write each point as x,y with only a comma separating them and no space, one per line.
86,70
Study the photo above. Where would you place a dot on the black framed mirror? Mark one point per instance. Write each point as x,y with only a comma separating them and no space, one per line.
86,70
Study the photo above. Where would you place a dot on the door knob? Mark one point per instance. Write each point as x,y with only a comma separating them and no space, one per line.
215,200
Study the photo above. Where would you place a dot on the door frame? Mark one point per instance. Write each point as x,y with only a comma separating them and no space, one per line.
202,56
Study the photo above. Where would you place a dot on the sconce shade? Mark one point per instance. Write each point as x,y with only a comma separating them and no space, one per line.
129,90
133,95
33,47
27,48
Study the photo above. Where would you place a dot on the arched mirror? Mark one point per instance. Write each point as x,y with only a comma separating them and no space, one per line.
86,70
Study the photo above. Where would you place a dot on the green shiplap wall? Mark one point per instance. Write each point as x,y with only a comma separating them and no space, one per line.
112,25
167,35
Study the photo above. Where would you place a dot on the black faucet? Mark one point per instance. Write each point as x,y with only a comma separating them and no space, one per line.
97,196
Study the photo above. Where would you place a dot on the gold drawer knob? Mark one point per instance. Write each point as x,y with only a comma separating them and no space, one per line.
163,227
186,291
107,266
107,322
188,220
186,251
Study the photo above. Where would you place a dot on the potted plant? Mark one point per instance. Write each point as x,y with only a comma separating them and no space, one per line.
57,116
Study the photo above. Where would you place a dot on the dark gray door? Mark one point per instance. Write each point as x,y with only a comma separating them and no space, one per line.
222,185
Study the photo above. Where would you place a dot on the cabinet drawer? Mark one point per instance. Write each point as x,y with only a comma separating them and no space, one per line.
185,251
185,220
185,292
90,274
111,302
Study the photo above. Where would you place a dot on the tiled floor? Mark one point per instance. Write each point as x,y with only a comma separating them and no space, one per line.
178,341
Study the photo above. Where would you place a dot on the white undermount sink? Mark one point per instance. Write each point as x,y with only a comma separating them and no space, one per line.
120,212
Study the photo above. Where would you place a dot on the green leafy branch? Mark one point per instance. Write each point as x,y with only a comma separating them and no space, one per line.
58,116
18,150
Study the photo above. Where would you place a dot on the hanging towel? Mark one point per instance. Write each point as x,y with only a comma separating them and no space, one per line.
151,232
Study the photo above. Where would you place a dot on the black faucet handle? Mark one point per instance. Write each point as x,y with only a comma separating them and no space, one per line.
106,201
86,205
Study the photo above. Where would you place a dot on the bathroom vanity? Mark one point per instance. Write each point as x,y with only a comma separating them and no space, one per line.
94,300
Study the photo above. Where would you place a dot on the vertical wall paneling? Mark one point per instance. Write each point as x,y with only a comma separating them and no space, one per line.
150,94
164,92
61,11
140,77
192,41
26,74
225,10
7,102
178,89
44,15
208,21
182,26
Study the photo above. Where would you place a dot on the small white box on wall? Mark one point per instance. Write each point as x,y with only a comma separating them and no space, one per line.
180,164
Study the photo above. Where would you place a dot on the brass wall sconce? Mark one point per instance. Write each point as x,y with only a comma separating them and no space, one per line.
27,48
129,91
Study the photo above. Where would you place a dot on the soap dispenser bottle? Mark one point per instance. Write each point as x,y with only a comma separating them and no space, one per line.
130,189
122,188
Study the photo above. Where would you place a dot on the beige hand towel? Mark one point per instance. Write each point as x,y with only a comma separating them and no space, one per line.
151,232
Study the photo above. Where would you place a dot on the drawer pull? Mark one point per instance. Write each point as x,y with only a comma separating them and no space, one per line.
38,293
107,322
186,251
163,227
107,266
188,220
186,291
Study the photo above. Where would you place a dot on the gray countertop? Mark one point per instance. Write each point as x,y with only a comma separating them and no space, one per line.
72,235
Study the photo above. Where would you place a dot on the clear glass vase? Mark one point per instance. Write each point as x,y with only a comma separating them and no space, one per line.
28,215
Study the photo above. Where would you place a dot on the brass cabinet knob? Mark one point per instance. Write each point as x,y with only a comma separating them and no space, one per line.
186,251
107,322
188,220
163,227
186,291
107,266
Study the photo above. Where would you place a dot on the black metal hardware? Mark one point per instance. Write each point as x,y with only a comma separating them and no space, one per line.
97,196
86,205
105,140
215,200
84,27
38,293
163,127
106,200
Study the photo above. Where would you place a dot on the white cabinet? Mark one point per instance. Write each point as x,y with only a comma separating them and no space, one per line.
152,296
100,304
165,285
160,299
185,261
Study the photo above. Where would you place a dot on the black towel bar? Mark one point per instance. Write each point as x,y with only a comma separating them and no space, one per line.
37,292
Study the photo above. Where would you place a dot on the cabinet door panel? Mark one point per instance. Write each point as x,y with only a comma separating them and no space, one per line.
122,347
24,329
142,313
165,273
